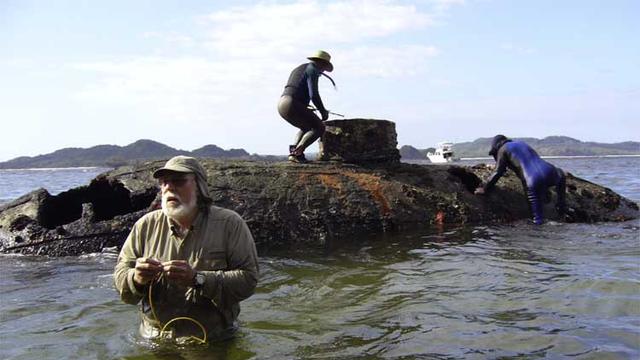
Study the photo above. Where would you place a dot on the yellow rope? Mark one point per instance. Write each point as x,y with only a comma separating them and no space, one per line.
153,312
204,331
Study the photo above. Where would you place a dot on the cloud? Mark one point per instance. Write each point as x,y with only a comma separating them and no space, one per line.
166,89
149,77
273,30
240,60
441,6
387,61
253,43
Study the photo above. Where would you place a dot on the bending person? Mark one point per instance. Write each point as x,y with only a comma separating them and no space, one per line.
536,174
301,88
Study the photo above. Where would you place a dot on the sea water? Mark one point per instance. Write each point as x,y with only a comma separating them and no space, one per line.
474,292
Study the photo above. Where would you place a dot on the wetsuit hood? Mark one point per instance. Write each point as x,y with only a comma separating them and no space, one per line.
496,143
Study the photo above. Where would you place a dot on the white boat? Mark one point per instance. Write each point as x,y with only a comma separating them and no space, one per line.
442,154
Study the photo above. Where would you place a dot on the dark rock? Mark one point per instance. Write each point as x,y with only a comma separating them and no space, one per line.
360,141
87,212
408,152
289,204
20,222
293,204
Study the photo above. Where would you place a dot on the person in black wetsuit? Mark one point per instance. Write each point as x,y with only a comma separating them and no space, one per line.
536,174
301,88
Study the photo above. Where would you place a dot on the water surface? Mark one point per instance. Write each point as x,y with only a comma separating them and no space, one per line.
514,291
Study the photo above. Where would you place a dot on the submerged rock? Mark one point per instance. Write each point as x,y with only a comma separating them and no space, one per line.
292,204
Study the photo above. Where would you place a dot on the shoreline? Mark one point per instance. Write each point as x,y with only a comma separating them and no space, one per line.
60,168
425,159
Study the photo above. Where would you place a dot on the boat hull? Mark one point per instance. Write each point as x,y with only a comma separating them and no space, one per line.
439,159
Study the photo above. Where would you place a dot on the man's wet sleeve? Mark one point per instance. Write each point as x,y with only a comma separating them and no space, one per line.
125,269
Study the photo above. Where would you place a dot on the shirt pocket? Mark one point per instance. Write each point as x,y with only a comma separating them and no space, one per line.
214,260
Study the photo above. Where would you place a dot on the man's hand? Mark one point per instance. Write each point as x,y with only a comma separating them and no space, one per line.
324,114
479,191
179,272
145,270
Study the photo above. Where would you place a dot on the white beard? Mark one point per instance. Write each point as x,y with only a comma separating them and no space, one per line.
180,211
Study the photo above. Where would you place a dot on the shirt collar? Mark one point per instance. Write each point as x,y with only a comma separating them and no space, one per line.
174,226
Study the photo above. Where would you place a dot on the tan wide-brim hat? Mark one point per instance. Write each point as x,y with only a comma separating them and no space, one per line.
323,56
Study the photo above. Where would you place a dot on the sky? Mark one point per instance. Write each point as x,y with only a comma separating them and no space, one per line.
190,73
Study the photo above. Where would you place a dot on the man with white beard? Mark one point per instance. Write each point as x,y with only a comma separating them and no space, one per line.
188,264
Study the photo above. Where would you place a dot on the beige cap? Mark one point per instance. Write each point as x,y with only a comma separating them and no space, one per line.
324,56
182,164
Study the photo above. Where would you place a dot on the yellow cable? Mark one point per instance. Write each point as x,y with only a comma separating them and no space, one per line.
153,312
204,331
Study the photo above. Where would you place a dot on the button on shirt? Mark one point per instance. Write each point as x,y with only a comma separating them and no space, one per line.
219,245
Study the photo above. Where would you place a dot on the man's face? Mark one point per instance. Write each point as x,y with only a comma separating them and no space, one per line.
179,194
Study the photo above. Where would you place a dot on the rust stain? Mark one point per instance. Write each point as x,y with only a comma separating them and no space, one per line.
331,181
371,183
302,177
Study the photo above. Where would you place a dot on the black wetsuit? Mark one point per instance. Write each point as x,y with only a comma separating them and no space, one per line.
302,85
536,174
301,88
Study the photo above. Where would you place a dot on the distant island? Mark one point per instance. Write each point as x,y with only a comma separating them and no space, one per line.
113,156
549,146
144,150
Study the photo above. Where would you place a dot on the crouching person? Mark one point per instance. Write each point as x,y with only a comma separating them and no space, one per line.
189,264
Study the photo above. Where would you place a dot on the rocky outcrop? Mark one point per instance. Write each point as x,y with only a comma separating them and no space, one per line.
360,141
292,204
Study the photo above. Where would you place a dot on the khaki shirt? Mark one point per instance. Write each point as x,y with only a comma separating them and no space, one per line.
219,244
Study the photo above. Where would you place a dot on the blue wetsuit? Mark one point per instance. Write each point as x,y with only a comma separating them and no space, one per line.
536,174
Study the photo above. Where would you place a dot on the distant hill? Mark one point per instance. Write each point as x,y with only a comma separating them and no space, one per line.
113,155
409,152
144,150
549,146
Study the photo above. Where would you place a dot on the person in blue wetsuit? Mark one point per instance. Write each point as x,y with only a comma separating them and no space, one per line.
536,174
301,88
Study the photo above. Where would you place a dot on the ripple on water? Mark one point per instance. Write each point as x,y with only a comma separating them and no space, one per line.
479,292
